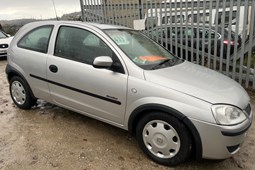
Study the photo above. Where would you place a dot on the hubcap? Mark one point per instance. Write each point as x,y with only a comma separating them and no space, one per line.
18,92
161,139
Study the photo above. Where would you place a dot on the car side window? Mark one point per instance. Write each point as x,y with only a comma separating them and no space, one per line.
82,46
207,33
158,32
176,32
213,34
201,33
37,39
188,32
180,32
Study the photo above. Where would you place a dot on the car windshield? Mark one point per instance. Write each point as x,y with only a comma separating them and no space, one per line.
143,51
2,35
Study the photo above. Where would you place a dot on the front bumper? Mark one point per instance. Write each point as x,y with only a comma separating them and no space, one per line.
3,53
221,142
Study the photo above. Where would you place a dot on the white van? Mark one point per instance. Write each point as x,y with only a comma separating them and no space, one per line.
161,16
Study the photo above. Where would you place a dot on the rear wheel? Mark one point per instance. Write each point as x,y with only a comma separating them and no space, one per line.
20,93
164,138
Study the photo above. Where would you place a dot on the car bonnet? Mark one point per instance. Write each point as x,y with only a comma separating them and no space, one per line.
6,40
200,82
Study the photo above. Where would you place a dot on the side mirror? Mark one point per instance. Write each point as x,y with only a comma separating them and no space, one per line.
102,62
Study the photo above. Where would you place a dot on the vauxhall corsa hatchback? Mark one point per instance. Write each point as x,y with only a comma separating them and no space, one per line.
121,77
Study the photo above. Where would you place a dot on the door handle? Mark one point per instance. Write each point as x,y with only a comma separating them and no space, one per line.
53,68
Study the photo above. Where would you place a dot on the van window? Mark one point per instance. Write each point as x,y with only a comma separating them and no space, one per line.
199,18
151,22
172,19
227,15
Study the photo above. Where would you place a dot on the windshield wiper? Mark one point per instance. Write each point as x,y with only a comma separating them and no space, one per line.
160,64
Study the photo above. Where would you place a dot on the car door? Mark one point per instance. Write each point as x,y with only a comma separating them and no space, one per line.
188,35
75,84
209,36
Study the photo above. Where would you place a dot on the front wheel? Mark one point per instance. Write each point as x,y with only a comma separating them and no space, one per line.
20,93
164,138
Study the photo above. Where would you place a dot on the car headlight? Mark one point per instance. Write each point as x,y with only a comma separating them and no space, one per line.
228,115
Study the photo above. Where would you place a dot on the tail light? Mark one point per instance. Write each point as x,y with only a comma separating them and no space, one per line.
230,42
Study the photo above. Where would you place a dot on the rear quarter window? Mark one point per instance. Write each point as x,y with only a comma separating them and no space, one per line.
37,39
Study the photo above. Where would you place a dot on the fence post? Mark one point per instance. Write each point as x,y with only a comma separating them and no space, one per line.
140,9
82,10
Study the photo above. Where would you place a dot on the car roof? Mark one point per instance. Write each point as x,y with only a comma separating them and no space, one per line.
190,25
194,25
106,26
80,23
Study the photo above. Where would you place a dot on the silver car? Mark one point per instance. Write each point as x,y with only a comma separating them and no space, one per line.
121,77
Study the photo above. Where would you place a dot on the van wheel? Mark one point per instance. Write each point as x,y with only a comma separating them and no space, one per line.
20,93
164,138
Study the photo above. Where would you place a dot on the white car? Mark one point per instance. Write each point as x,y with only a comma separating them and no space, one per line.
5,41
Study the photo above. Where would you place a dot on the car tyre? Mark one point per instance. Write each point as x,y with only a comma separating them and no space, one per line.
164,138
20,93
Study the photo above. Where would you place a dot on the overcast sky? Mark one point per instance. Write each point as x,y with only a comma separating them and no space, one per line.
40,9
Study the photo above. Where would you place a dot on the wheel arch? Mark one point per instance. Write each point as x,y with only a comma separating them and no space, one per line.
11,72
141,111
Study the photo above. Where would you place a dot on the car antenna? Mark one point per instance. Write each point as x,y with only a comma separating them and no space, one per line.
55,9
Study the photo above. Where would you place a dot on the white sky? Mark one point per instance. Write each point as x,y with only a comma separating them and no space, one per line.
39,9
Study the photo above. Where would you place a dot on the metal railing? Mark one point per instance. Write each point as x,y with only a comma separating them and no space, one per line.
218,34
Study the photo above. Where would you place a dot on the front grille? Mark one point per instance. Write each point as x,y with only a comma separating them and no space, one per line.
3,54
248,109
3,45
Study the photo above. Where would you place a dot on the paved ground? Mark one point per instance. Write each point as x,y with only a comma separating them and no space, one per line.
49,137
